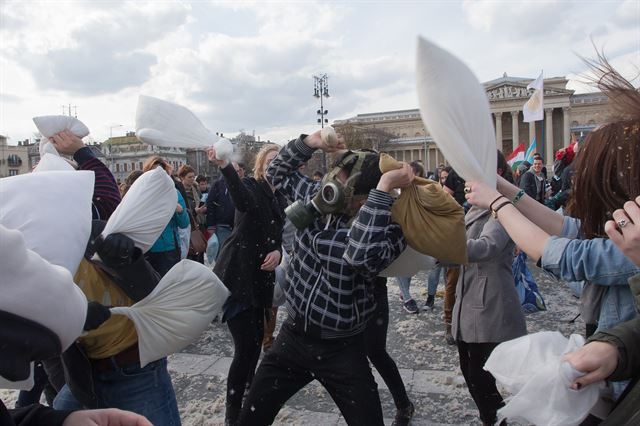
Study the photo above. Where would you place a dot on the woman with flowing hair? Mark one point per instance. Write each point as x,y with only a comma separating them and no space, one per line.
246,265
607,174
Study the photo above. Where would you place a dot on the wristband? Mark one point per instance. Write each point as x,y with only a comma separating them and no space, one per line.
494,212
518,196
494,201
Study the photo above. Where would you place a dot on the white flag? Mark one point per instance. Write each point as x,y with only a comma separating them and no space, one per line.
533,109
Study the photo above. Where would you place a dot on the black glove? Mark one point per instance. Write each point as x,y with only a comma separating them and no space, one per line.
96,315
116,250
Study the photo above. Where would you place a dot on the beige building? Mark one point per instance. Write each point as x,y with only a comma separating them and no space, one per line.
124,154
14,159
565,113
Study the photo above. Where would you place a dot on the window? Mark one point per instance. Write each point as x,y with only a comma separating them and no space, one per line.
126,167
13,172
117,167
14,161
140,165
133,166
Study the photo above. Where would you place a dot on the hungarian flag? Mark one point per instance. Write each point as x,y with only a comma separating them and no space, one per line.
516,157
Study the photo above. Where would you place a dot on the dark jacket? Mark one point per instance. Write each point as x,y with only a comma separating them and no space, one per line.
528,183
257,231
220,208
32,415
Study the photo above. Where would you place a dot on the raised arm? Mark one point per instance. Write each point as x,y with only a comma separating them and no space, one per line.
242,197
283,171
543,217
528,223
106,195
374,241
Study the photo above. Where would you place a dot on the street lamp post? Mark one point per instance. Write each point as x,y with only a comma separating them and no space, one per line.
321,90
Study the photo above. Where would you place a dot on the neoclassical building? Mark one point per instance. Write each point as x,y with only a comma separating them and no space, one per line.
565,113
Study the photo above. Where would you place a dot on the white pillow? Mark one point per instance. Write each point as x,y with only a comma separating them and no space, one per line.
177,311
37,290
52,209
49,125
145,210
455,109
165,123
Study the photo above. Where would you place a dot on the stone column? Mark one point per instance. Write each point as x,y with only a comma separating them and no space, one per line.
498,130
514,129
566,134
548,122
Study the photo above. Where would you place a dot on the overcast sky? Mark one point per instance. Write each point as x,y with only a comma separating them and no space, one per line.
249,65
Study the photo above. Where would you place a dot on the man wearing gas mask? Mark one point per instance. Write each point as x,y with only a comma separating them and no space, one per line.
345,237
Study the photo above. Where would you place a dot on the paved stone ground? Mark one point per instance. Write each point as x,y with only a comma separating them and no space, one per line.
427,364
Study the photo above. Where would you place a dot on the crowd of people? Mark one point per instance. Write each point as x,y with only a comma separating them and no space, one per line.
318,244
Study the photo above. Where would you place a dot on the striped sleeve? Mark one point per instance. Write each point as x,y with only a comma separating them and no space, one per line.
106,195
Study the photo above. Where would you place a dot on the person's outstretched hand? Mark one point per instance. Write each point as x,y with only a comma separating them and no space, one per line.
597,359
66,142
314,140
211,155
106,417
624,229
398,178
480,194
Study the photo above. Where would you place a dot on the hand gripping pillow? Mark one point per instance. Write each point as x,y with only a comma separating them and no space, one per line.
532,369
432,221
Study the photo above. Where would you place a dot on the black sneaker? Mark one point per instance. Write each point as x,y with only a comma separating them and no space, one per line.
428,305
411,306
404,415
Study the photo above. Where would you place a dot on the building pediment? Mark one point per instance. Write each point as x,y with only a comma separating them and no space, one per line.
519,91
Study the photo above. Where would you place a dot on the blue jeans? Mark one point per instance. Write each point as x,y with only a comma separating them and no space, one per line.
222,233
147,391
433,279
432,283
404,283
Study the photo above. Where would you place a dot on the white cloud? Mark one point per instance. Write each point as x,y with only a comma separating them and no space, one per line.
249,65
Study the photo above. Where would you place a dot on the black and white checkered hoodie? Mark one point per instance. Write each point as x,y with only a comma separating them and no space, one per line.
332,271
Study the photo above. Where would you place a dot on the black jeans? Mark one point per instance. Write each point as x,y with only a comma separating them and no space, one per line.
375,336
295,359
482,385
247,330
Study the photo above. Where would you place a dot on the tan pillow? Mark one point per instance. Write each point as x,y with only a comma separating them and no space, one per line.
432,221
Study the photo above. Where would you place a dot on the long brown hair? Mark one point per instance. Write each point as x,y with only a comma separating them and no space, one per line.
607,170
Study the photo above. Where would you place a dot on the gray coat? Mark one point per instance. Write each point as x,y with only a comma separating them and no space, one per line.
487,307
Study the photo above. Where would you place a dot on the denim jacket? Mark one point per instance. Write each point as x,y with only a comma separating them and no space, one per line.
597,260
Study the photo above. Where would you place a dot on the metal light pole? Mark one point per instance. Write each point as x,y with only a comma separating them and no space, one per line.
321,90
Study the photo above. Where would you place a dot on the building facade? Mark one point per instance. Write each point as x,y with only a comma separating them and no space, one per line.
124,154
14,159
565,114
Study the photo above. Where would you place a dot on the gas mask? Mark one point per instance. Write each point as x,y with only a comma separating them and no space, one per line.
334,196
